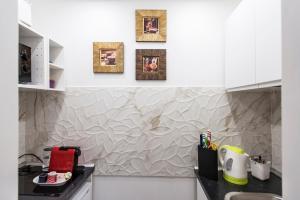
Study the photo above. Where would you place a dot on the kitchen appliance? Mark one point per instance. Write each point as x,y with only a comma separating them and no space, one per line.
64,159
234,163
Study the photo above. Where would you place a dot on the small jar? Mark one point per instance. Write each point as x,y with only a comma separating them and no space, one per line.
52,177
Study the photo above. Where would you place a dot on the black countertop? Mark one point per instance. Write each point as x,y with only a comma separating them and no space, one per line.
30,191
216,190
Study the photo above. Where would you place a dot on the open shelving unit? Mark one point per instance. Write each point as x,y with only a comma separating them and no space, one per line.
56,69
46,61
36,42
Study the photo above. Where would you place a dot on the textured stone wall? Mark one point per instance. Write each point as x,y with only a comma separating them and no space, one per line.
276,130
148,131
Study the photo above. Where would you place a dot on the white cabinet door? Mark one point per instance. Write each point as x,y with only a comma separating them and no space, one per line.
268,40
200,193
84,193
240,46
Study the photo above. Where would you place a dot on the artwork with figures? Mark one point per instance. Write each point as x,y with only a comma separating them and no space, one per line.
151,64
151,25
108,57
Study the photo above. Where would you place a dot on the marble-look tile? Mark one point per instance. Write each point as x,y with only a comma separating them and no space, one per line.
276,130
149,131
22,123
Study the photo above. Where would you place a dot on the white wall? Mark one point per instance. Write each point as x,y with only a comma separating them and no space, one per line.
195,57
291,99
195,44
9,100
142,188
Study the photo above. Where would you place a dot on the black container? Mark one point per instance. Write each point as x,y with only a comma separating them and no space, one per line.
43,178
208,163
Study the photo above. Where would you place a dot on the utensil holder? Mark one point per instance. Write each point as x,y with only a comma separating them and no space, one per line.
260,171
208,163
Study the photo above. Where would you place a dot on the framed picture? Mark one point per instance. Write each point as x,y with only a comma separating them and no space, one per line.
24,64
108,57
151,25
151,64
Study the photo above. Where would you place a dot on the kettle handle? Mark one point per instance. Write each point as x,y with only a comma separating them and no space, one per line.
221,155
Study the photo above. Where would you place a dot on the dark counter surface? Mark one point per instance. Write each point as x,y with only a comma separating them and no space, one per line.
30,191
216,190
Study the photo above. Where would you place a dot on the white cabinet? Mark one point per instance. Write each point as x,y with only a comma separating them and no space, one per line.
46,61
37,44
85,192
268,40
200,193
240,46
253,45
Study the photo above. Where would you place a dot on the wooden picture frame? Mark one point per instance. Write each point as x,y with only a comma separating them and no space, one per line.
151,25
108,57
151,64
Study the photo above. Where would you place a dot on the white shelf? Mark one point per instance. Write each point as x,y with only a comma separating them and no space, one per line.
55,53
30,87
55,66
54,44
56,89
26,31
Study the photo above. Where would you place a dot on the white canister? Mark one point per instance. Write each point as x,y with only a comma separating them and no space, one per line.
259,170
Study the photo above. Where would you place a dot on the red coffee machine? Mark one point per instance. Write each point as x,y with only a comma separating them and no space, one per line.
64,159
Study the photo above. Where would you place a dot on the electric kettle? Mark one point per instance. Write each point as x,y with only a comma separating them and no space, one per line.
234,164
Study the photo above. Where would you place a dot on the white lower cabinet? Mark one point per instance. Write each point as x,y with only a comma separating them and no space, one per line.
200,192
84,193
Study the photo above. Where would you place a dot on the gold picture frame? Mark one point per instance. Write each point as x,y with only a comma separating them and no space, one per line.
151,25
108,57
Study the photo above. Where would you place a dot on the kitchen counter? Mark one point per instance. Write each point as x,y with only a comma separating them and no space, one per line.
216,190
30,191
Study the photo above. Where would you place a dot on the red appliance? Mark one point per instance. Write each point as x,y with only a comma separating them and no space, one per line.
64,159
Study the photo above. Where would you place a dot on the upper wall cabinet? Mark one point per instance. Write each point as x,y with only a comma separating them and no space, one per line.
253,45
240,46
268,40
